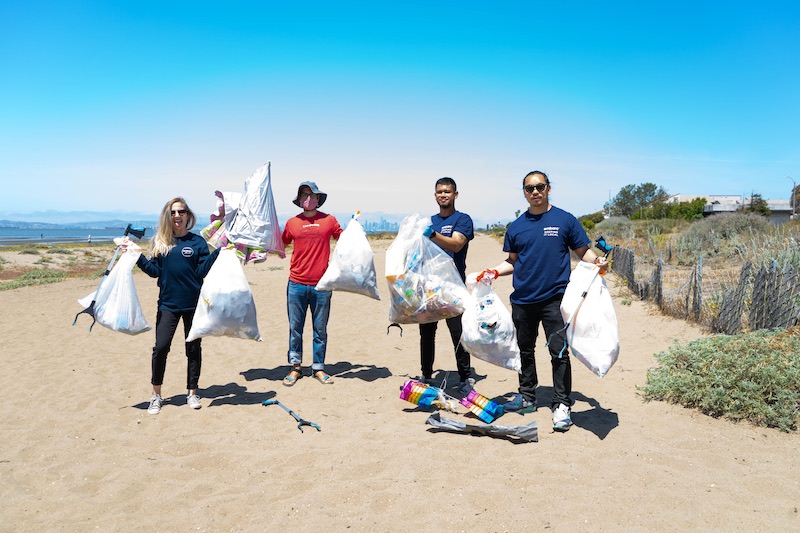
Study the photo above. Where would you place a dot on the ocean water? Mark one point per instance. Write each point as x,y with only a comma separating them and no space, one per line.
50,236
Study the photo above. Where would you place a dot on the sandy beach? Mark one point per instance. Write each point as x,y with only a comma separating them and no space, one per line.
81,453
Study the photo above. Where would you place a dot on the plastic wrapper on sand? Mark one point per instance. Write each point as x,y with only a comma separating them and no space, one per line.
529,433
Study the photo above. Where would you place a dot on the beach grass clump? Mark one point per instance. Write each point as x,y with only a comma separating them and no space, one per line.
753,377
34,277
60,251
724,235
29,251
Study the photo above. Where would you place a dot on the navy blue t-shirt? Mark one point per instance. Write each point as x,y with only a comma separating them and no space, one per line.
543,243
462,223
180,273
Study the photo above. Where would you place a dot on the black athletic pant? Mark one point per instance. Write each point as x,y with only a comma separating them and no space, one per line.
526,319
166,324
427,347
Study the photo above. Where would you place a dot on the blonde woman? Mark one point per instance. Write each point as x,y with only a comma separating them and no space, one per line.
180,260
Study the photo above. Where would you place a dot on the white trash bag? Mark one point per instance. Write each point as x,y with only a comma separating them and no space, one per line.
116,303
226,307
352,267
593,333
487,330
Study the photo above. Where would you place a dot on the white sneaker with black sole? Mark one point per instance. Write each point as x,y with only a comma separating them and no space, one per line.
561,418
193,401
155,404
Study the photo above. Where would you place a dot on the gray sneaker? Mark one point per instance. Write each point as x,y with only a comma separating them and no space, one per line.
519,403
561,418
193,401
155,404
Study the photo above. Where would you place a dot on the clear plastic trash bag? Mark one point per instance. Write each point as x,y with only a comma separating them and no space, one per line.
352,266
226,307
487,330
117,304
424,284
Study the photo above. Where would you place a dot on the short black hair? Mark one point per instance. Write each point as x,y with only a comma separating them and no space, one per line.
532,172
447,181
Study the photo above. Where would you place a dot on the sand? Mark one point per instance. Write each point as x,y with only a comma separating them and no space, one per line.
81,453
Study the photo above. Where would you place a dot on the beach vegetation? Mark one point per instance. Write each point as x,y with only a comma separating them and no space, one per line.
33,277
753,377
29,251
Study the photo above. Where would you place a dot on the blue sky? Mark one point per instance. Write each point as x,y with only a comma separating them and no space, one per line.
118,106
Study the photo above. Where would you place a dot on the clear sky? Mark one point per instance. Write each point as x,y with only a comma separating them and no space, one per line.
118,106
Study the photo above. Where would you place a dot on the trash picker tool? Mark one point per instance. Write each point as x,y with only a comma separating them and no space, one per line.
130,230
603,246
300,421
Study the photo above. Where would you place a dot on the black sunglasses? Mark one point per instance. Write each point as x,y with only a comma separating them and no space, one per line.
179,212
538,187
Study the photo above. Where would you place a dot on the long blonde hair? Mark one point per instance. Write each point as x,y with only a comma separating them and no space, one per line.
164,239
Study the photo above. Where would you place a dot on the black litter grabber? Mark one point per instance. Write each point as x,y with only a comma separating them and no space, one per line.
130,230
561,335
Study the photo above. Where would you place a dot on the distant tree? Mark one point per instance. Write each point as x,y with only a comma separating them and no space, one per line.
635,199
758,206
591,220
660,210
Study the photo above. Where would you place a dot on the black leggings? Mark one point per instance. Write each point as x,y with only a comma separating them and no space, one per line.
166,324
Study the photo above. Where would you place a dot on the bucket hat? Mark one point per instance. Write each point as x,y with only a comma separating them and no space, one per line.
314,189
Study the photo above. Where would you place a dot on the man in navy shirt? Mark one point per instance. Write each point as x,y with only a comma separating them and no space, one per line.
538,245
451,230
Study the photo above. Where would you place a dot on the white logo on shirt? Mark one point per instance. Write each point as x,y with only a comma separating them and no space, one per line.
187,251
551,231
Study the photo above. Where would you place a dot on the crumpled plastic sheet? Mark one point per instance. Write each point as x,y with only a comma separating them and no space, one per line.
529,433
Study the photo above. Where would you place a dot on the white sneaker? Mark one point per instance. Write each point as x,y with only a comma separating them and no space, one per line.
155,404
193,401
561,418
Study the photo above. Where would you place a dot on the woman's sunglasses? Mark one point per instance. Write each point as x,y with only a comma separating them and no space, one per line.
179,212
538,187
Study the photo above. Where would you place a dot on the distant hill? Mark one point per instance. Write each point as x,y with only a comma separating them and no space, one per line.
372,221
98,224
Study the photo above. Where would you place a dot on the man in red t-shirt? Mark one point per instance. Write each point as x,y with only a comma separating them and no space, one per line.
311,232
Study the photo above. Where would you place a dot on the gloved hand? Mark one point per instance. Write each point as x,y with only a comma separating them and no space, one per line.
429,232
488,274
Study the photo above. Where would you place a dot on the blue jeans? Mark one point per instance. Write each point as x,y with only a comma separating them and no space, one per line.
299,298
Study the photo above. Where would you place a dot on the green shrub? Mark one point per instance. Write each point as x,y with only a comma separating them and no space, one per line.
33,277
43,273
29,251
752,376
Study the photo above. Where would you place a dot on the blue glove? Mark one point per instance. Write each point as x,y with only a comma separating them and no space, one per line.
429,232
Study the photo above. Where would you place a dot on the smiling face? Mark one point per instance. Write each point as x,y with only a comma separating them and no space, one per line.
445,196
179,216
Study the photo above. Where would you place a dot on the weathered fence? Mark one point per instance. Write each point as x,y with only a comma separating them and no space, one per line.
720,298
